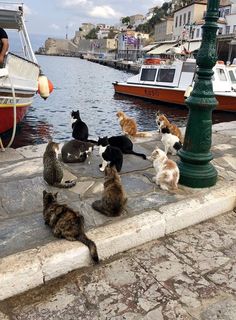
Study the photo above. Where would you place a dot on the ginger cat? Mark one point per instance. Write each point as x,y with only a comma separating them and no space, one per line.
129,126
163,122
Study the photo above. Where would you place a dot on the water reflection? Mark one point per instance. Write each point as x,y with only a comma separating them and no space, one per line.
87,86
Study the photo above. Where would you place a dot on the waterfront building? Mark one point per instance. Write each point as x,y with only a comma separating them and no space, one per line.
164,29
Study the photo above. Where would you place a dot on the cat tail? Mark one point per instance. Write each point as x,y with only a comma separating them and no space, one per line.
92,141
143,134
138,154
91,245
66,184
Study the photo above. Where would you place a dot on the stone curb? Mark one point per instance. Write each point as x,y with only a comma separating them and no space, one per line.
28,269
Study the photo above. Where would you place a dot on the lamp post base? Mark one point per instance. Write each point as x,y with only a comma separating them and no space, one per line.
197,176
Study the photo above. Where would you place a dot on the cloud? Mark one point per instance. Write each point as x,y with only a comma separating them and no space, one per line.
54,26
105,12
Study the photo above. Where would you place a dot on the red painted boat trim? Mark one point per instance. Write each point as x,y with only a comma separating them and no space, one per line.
172,96
6,116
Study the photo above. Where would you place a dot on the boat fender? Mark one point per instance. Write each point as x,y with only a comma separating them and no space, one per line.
45,86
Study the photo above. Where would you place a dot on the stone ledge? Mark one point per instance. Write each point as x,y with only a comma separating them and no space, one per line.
28,269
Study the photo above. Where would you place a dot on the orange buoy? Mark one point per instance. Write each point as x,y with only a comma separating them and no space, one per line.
45,86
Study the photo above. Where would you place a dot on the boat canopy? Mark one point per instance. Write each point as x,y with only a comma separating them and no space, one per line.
11,19
162,48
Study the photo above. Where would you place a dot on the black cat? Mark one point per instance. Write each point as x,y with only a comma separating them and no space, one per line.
80,128
110,155
122,142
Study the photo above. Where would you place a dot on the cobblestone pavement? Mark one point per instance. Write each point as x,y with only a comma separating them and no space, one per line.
189,275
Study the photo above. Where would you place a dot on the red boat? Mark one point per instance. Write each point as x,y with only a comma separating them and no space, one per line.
19,75
170,81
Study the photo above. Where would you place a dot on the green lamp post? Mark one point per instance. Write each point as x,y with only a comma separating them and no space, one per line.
195,168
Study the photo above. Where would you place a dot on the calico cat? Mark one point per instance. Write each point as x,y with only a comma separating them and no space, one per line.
162,122
66,223
167,171
129,126
52,169
114,197
122,142
76,151
80,128
111,155
170,141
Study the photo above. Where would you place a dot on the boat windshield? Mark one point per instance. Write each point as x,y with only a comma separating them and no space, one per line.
166,75
232,76
148,74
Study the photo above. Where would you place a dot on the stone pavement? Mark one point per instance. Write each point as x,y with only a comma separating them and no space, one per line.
189,275
25,242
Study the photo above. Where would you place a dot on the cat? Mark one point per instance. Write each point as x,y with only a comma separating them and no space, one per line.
129,126
114,197
66,223
162,122
80,128
111,155
76,151
170,141
122,142
167,171
52,169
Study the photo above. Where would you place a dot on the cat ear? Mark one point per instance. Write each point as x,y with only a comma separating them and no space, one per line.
55,194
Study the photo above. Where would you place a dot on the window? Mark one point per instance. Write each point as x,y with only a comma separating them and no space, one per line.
189,16
234,29
226,13
221,74
220,31
227,29
148,74
176,22
180,20
165,75
184,18
189,67
232,76
198,33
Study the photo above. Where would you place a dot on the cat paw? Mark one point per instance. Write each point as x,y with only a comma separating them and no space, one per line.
102,169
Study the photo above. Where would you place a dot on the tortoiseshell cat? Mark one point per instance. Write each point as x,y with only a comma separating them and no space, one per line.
114,197
66,223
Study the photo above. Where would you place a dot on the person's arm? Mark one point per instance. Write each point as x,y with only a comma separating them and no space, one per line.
5,46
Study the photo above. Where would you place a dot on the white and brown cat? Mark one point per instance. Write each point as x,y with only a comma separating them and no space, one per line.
167,171
163,122
129,126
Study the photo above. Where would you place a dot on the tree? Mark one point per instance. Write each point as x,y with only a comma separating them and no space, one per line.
125,20
92,34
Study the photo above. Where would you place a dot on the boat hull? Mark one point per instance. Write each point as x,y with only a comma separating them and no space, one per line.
22,76
7,115
170,95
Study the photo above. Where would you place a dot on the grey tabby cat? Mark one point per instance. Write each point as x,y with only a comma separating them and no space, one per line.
76,151
52,169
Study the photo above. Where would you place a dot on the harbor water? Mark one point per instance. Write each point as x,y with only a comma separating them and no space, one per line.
87,87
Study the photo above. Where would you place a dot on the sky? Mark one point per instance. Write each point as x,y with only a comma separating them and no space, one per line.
56,17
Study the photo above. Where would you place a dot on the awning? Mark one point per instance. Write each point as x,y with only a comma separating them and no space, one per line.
149,47
193,46
162,49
